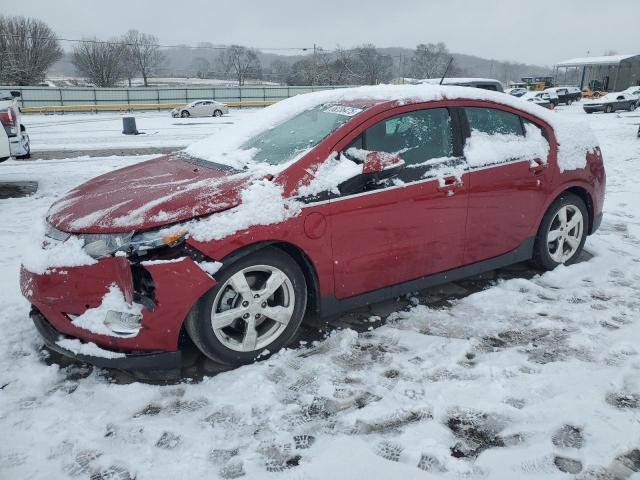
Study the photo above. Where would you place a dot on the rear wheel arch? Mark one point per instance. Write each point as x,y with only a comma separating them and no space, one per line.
585,196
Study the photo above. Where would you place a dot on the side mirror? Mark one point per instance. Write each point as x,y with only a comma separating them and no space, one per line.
15,94
382,165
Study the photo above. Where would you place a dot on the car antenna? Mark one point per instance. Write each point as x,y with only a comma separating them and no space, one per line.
446,70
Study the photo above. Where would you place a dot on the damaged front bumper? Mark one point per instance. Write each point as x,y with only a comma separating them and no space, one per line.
166,290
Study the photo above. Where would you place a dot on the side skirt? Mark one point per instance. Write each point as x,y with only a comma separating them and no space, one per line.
330,305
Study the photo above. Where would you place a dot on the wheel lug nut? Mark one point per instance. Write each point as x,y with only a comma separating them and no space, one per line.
257,315
245,304
245,316
264,305
256,296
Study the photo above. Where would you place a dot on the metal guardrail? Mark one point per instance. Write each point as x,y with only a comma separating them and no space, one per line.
37,98
128,107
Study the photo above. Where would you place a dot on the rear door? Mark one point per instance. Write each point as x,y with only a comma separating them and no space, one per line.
411,226
509,181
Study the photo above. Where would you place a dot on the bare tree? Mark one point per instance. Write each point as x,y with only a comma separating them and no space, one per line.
372,66
242,62
28,47
201,67
429,60
101,63
144,51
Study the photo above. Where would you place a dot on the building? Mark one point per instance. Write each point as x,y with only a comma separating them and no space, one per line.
611,73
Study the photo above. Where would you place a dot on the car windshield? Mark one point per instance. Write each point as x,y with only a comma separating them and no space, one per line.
295,136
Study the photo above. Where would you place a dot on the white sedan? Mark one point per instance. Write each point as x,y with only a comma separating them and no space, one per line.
201,108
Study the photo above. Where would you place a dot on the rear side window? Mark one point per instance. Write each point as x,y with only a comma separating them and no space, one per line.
416,136
492,121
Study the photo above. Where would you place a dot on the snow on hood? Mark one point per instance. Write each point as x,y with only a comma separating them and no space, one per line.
147,195
574,137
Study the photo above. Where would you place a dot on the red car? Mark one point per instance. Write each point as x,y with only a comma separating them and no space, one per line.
423,189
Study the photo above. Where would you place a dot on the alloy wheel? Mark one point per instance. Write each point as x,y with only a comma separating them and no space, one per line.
253,308
565,233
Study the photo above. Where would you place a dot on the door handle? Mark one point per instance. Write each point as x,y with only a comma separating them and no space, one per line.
450,185
537,166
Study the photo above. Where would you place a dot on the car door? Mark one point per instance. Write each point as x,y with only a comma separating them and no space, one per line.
408,227
207,108
507,190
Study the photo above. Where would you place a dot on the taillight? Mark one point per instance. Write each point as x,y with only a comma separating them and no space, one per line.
7,118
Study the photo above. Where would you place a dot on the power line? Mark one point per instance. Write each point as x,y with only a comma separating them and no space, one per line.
127,44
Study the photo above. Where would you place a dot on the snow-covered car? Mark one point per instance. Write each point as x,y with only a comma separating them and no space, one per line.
5,149
516,92
319,204
612,102
635,91
201,108
538,99
11,121
566,95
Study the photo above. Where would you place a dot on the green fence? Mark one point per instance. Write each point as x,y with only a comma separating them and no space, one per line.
53,96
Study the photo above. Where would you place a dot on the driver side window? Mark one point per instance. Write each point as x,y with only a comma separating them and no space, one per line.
418,137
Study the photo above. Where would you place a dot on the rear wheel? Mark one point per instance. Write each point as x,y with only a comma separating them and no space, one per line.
257,305
608,109
217,113
185,114
632,107
562,233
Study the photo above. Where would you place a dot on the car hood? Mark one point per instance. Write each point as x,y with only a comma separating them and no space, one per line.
148,195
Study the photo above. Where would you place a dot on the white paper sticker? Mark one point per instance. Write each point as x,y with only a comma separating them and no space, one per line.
343,110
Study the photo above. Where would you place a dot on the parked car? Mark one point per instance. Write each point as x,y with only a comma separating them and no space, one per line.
539,99
201,108
5,149
516,92
635,91
11,120
323,203
483,83
566,95
612,102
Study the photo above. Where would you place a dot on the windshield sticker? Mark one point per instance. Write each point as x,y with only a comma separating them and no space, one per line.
343,110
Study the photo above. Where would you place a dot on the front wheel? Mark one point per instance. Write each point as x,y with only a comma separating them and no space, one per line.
562,233
608,109
256,306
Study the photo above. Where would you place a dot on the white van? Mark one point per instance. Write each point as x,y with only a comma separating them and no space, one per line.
11,120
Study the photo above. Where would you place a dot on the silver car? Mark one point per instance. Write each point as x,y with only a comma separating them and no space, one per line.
201,108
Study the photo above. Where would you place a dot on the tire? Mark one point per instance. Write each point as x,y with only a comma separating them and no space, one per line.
546,253
632,107
184,114
217,113
229,344
608,109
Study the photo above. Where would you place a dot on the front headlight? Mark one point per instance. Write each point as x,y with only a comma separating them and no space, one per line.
102,245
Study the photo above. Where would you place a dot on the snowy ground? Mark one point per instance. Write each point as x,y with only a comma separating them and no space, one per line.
536,376
75,132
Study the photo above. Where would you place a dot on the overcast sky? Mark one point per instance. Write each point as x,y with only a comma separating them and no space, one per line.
530,31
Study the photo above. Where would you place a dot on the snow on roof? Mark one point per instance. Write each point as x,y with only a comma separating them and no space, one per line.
573,136
604,60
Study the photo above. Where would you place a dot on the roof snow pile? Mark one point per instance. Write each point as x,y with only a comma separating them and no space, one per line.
484,149
574,137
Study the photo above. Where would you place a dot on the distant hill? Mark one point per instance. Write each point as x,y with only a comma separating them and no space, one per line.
181,62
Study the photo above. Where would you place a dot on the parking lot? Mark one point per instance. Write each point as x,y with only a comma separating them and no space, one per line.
514,374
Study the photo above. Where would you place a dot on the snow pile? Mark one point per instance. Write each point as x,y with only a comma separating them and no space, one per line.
330,174
93,318
575,141
262,203
40,257
88,348
484,149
